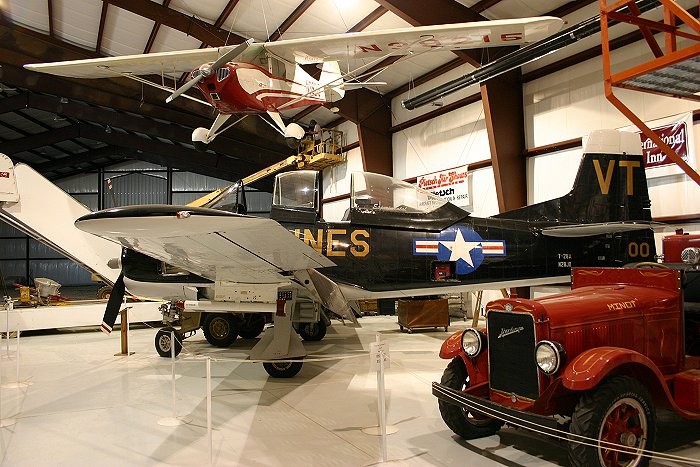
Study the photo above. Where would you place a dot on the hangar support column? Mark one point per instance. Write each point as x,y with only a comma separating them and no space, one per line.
371,112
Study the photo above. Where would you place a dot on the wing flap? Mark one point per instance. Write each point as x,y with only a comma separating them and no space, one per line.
587,230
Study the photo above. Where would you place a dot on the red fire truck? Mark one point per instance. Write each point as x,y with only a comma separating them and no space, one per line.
591,365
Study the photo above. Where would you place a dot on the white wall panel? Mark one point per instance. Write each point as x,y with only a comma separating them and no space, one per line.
571,103
483,192
554,174
336,179
77,21
447,141
32,14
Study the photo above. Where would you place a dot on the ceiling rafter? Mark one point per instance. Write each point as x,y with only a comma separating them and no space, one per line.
482,5
101,30
369,19
228,9
287,23
195,27
50,9
154,32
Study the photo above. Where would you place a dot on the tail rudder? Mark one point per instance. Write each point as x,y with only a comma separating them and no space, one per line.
610,185
332,79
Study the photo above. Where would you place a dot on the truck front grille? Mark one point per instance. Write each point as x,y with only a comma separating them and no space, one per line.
511,344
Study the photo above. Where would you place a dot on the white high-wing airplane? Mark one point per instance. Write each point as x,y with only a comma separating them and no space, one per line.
268,77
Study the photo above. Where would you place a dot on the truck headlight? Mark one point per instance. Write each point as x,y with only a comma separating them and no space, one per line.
472,342
549,356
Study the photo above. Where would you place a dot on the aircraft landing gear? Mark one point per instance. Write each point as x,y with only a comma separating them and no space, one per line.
282,369
221,329
164,342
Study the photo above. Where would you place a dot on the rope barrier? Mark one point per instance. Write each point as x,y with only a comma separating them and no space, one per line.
565,435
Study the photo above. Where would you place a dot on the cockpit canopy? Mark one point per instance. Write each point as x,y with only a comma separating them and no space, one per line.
377,193
374,200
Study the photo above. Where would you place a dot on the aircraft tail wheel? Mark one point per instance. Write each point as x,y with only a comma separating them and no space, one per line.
163,342
282,369
199,139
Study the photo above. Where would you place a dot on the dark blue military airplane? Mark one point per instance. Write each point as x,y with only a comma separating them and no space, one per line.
219,268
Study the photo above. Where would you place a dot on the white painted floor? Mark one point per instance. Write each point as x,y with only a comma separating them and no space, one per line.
84,406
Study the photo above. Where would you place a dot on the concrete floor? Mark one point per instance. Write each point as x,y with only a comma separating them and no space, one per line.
84,406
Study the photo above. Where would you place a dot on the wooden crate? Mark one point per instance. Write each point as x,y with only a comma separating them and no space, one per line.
414,314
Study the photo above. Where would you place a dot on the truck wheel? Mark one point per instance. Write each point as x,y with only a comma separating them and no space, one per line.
464,423
251,325
313,332
619,411
220,329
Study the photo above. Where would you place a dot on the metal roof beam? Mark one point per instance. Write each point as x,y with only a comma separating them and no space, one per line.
200,30
35,141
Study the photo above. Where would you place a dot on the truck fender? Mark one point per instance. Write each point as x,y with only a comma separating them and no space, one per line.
452,346
590,367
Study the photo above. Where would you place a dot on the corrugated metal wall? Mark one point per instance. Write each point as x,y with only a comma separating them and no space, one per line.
22,259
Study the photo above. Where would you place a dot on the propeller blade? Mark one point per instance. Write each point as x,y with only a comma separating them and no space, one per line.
113,304
221,61
184,88
230,55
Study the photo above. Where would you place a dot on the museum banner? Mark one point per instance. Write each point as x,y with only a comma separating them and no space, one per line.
677,132
451,185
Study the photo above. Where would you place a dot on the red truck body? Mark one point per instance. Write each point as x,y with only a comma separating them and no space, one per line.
618,331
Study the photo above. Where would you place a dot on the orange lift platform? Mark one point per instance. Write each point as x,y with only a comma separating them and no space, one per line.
674,71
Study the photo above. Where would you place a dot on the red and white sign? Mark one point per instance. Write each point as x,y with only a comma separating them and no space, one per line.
4,174
452,185
677,132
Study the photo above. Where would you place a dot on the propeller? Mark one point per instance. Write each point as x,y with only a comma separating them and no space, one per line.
207,70
113,304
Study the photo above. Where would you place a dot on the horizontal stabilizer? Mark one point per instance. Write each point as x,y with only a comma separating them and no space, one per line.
587,230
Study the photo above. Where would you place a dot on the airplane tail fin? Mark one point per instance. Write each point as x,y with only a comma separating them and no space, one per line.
332,79
610,187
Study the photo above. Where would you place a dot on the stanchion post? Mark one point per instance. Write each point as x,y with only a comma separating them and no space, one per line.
380,399
124,333
209,433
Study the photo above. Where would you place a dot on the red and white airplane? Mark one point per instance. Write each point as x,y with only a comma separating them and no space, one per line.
268,77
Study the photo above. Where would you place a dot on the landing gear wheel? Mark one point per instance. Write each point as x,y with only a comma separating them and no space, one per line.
313,331
464,423
163,342
282,369
251,326
618,411
220,329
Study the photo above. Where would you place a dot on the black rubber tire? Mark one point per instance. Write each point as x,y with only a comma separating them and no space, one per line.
163,342
282,369
220,329
595,416
251,325
313,332
459,420
104,292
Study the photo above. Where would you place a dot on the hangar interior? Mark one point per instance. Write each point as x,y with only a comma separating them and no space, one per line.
519,136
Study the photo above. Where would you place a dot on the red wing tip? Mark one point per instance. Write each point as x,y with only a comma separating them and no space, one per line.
107,329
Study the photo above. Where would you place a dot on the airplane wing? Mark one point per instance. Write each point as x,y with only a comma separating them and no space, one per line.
368,44
169,63
214,244
406,41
